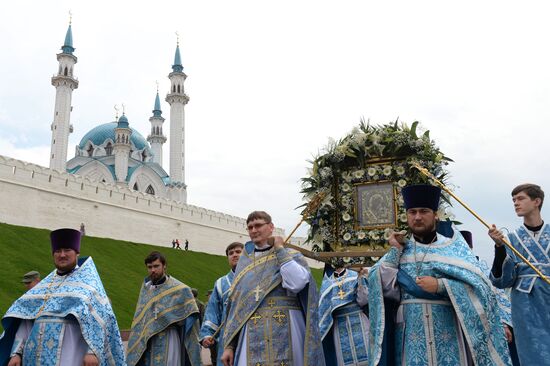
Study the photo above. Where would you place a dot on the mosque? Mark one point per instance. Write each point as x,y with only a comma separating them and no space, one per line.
114,152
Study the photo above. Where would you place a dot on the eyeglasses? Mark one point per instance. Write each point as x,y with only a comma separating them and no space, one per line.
256,226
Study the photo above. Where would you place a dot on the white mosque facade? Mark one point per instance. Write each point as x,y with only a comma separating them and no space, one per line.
114,152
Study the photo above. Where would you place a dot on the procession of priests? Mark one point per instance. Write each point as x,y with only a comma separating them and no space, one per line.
427,301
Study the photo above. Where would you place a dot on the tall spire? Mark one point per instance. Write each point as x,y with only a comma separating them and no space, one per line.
177,66
68,44
157,112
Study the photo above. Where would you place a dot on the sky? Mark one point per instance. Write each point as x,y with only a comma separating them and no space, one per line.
271,81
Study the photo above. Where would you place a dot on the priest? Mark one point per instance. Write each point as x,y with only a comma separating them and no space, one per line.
272,318
344,324
165,329
66,319
440,308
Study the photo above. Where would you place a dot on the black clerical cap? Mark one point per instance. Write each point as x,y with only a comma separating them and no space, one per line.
65,239
421,195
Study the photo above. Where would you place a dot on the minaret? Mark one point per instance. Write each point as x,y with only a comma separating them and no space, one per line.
121,149
156,138
177,100
64,83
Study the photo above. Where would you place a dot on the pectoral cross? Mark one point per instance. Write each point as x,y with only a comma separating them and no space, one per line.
257,292
341,293
155,311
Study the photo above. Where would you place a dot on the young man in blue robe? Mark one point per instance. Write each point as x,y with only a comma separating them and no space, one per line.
344,325
444,308
272,317
530,295
211,335
66,319
165,329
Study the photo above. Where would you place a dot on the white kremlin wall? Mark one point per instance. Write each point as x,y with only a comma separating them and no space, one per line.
31,195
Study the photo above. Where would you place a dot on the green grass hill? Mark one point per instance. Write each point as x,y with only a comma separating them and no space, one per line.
120,265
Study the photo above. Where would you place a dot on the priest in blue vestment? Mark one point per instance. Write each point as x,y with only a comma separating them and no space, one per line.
272,317
344,324
165,329
66,319
429,301
530,295
211,335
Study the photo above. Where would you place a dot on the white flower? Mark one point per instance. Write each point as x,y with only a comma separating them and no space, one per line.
346,176
361,235
371,171
374,235
359,173
403,217
387,233
387,170
345,187
400,170
346,217
325,172
347,236
346,259
402,183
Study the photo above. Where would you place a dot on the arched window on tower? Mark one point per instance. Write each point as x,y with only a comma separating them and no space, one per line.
150,190
109,149
178,88
65,71
90,150
135,187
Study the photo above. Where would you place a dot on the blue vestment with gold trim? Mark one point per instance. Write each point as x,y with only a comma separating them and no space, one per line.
79,297
260,307
436,329
159,310
530,296
340,312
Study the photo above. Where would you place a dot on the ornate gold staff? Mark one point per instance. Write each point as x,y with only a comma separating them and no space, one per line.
510,246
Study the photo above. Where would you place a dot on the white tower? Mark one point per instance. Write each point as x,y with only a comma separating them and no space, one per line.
177,100
121,149
156,138
64,83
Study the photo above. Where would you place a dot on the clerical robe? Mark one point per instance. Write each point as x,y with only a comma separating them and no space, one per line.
530,295
165,329
215,312
61,319
273,318
457,325
343,324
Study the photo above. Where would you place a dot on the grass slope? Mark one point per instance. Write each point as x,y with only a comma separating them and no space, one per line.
120,265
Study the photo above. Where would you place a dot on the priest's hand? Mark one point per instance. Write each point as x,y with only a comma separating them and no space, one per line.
15,361
397,240
90,360
227,357
427,283
496,235
207,342
276,241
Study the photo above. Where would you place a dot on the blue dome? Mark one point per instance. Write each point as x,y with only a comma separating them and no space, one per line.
100,133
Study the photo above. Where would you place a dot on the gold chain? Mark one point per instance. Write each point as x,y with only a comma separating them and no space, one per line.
49,293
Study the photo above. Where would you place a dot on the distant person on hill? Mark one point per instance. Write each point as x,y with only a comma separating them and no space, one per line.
82,229
66,319
31,279
166,322
186,244
173,243
178,244
212,327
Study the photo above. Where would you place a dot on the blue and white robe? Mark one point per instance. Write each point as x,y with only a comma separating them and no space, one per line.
214,316
61,319
343,324
530,295
458,325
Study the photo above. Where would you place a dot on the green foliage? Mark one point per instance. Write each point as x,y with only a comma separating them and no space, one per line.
369,154
120,265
